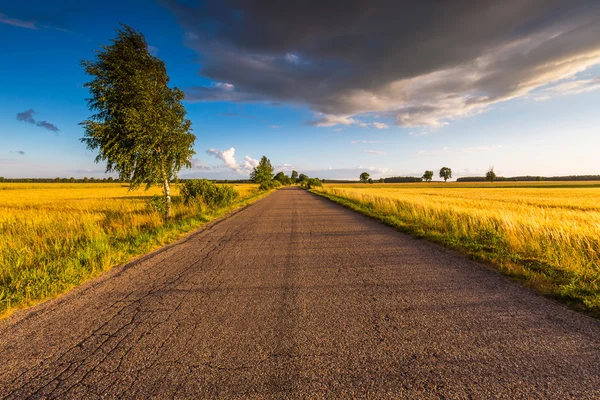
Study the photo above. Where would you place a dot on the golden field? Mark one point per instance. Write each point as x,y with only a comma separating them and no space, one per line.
55,236
546,234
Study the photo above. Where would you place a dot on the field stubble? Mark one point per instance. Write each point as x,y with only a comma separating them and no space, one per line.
56,236
545,235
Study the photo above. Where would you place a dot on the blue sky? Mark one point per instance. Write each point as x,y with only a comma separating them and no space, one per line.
515,100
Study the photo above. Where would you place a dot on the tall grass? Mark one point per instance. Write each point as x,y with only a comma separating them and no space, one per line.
56,236
545,236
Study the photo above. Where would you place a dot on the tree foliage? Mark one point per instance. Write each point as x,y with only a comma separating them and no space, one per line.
490,175
445,173
283,179
428,176
208,194
364,177
139,127
263,174
294,176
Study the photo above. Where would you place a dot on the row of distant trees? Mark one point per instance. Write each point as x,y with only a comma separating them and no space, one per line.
62,180
445,173
263,175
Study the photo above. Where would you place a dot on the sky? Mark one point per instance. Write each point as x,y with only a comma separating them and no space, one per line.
326,88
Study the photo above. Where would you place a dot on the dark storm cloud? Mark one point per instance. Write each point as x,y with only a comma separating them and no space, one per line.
421,63
27,116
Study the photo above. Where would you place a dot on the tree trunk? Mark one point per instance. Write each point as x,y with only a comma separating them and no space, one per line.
167,195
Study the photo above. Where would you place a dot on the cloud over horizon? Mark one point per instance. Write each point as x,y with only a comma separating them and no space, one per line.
414,63
228,158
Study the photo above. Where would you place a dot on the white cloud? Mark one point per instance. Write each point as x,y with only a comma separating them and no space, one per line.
375,152
377,170
332,120
225,86
568,88
365,141
4,19
292,58
380,125
275,126
472,149
229,162
197,164
249,163
227,156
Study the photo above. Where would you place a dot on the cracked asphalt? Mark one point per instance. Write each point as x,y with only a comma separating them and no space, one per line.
298,297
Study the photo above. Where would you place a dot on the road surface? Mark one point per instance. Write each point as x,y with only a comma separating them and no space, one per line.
297,297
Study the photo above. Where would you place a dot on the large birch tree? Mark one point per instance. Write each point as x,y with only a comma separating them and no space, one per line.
139,127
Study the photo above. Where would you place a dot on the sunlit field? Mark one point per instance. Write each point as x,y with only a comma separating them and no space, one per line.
56,236
546,234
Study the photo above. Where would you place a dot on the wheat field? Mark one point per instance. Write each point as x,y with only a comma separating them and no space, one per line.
544,234
56,236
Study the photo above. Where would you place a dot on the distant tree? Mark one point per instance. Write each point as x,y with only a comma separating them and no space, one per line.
282,178
364,177
490,175
381,180
302,177
428,176
85,179
72,179
294,175
370,180
540,178
2,179
110,179
56,179
445,173
140,127
263,174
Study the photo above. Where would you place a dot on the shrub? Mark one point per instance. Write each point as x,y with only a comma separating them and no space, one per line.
206,193
310,183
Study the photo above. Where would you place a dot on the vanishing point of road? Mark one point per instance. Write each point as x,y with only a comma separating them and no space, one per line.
297,297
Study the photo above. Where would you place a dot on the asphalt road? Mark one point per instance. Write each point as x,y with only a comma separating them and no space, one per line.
297,297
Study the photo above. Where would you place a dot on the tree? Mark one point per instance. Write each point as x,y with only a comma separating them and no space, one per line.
370,180
381,180
140,128
295,176
72,179
445,173
283,178
490,175
364,177
263,173
302,177
428,176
